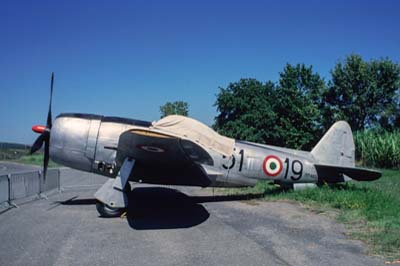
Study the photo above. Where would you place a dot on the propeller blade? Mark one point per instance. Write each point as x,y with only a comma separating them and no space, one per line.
46,157
38,143
45,136
49,119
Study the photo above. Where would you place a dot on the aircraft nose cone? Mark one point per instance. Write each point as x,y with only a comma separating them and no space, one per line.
38,129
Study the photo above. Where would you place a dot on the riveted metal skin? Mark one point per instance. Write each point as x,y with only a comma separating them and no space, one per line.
69,142
245,167
88,142
100,144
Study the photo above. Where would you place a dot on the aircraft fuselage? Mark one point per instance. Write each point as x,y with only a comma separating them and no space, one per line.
90,142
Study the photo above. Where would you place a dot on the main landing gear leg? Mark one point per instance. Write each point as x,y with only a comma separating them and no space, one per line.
112,198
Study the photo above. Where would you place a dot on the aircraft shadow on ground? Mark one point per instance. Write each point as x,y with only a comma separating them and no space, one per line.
76,201
165,208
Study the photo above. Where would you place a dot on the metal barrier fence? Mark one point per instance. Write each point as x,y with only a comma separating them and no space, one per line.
4,189
21,185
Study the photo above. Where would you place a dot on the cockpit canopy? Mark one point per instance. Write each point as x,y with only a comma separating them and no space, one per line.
193,130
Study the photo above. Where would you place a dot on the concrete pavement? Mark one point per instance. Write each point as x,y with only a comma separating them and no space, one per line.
165,226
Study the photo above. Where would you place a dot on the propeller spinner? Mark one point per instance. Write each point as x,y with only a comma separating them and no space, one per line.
44,134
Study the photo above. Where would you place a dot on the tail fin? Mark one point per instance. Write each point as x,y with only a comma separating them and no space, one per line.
336,147
334,156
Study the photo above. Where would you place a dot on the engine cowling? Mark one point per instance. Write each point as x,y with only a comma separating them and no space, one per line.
73,140
89,142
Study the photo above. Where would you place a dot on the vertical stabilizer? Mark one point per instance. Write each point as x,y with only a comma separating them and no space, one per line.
336,147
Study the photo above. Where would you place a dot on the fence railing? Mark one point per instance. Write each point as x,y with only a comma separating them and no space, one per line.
22,185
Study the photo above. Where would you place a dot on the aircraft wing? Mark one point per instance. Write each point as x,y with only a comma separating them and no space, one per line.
164,159
159,149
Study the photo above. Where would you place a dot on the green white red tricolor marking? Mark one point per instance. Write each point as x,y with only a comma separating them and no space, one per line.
272,165
151,148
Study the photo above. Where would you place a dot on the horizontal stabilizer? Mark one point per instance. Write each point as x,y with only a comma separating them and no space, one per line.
333,173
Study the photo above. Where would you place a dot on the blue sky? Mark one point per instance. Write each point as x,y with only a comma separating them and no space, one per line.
126,58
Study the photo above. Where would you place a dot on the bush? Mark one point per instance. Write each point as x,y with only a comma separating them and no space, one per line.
378,148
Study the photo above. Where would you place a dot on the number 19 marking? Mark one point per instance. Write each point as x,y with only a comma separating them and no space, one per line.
296,169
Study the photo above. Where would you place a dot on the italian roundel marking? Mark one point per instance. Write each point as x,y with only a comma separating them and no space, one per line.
151,148
272,165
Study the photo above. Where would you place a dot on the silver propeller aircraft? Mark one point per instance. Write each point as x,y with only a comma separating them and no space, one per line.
178,150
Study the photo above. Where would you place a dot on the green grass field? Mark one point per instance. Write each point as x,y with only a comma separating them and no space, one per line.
12,154
22,156
370,210
35,159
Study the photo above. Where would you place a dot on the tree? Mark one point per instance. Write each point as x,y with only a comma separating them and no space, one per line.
364,93
284,115
174,108
246,111
296,112
298,107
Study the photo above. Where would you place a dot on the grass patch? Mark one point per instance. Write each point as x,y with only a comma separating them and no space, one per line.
12,154
35,159
23,156
371,210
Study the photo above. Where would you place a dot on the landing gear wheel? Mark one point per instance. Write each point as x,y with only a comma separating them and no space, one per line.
107,211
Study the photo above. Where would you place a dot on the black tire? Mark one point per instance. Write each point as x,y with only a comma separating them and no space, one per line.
107,211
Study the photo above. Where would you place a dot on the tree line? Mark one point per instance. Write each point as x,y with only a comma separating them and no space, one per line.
301,106
296,111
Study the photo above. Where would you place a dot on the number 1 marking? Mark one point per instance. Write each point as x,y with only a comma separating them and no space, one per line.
287,167
241,160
